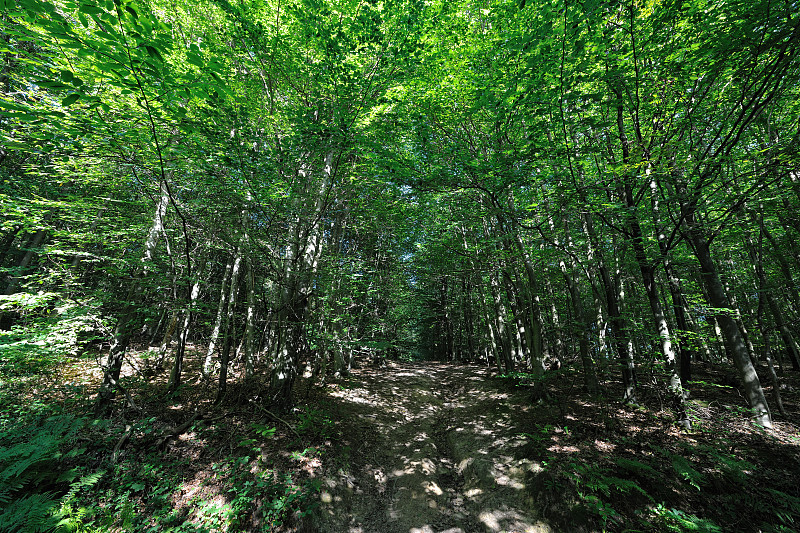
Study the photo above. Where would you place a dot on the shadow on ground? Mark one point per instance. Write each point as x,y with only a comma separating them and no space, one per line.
427,448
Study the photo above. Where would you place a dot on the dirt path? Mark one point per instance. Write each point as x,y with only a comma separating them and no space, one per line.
427,448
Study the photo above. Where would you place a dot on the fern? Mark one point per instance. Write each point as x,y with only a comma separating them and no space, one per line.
784,506
31,471
736,469
684,468
680,522
638,468
625,486
30,514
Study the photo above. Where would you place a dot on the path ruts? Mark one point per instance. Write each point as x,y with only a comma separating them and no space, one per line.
426,448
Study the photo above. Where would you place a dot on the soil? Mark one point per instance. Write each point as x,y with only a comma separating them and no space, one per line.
439,448
431,447
427,448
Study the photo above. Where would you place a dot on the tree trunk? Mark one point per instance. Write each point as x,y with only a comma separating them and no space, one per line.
580,327
776,392
780,324
221,319
618,327
301,264
22,265
129,317
659,319
188,315
249,349
719,300
466,289
229,323
8,240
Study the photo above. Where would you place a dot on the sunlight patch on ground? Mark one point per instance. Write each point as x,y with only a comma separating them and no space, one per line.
431,487
605,447
498,521
563,449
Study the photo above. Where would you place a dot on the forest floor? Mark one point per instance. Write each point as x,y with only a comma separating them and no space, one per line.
430,447
401,448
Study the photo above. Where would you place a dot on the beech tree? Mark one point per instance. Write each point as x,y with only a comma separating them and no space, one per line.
267,188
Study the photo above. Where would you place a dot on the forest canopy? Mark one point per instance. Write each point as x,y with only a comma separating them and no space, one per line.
230,198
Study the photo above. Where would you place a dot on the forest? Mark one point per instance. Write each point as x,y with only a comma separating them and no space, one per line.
413,266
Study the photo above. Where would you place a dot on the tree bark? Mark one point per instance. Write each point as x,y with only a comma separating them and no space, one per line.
619,330
646,268
128,318
220,321
730,330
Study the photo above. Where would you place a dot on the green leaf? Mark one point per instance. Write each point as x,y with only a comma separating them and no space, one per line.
194,59
154,52
89,9
70,99
6,104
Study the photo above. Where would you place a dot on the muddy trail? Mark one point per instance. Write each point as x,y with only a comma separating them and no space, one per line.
427,448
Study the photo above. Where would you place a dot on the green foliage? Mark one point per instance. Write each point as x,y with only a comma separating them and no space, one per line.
263,431
785,507
638,468
414,170
275,497
597,480
50,330
597,489
37,488
675,520
685,470
314,422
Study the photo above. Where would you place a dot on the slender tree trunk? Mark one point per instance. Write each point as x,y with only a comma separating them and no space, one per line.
791,286
618,327
249,352
580,324
500,319
495,341
220,320
646,268
766,293
469,324
187,318
157,329
776,393
22,265
683,352
538,349
228,334
301,264
730,330
448,323
558,330
8,240
128,318
167,340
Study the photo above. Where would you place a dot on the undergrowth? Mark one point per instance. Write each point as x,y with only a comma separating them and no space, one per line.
670,485
61,470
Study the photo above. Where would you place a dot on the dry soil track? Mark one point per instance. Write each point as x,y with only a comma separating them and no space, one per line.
427,448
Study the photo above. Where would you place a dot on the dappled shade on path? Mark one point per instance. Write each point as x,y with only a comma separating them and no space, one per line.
432,448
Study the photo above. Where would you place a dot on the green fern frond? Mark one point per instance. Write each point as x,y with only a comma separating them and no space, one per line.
684,468
29,514
638,468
